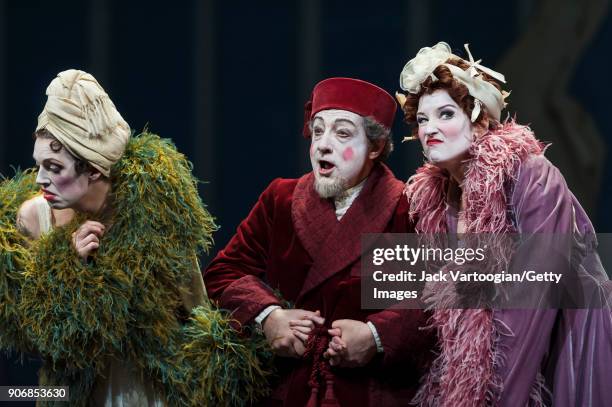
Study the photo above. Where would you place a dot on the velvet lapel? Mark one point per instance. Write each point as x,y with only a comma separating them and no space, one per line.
334,245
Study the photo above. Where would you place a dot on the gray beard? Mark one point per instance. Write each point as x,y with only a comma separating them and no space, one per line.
330,187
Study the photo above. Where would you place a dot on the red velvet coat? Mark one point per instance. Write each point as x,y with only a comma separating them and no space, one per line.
292,241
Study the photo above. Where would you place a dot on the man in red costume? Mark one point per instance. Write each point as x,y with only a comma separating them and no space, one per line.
302,240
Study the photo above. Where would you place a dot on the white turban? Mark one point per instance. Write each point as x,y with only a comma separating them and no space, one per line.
82,117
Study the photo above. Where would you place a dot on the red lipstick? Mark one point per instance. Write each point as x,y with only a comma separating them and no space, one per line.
48,195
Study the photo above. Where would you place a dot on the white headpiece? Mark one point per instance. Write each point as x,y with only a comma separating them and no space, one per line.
422,66
82,117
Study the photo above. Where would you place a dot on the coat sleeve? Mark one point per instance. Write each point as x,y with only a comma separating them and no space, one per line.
541,338
234,279
540,204
403,338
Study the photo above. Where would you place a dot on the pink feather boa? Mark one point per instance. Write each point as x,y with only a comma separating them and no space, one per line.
464,373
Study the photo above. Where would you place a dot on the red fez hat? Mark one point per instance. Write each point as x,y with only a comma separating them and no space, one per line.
354,95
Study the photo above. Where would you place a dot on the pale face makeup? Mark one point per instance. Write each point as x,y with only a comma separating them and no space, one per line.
339,151
62,187
445,130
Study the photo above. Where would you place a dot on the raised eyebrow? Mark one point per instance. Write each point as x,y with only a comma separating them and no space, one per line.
439,108
46,161
317,119
340,121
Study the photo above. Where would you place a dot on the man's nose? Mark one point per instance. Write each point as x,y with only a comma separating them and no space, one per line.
324,144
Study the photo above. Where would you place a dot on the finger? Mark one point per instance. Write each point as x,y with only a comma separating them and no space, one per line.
89,248
97,229
302,329
299,348
314,318
89,229
95,223
335,332
301,336
301,322
86,227
339,323
339,341
337,347
331,352
88,239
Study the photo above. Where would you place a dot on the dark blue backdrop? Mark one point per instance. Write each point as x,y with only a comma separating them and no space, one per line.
227,80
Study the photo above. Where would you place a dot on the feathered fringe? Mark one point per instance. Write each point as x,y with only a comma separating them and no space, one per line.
464,373
13,257
124,303
495,160
75,314
539,392
210,346
426,192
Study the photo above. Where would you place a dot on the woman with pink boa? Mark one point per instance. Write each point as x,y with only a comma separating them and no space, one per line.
483,175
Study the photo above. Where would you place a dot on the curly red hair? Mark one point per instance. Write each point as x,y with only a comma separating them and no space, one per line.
456,90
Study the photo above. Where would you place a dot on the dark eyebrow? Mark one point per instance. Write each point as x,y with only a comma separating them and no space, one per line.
440,108
337,121
47,161
346,121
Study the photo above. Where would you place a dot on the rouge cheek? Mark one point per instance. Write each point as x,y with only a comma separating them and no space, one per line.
67,185
63,182
348,154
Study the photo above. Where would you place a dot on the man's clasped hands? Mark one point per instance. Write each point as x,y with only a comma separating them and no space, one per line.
287,331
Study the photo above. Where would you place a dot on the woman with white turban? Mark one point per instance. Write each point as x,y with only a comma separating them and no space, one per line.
99,273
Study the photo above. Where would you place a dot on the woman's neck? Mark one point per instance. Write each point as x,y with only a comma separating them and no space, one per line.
458,174
456,168
95,199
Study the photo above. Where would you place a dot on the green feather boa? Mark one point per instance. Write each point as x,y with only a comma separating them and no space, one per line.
14,255
124,303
